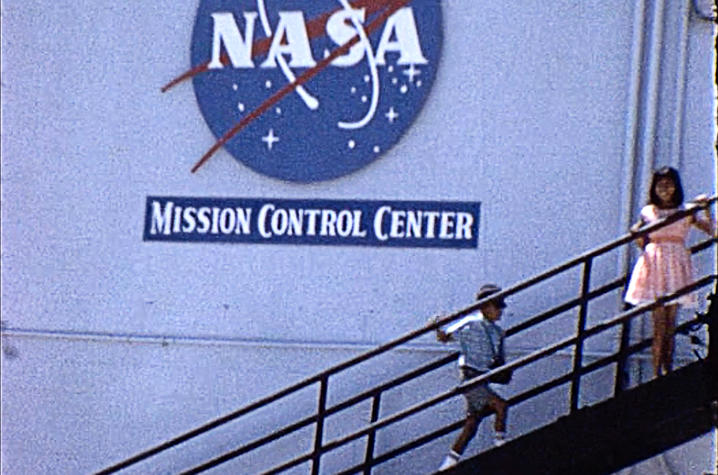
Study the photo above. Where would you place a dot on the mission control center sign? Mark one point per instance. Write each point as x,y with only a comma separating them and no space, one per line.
325,222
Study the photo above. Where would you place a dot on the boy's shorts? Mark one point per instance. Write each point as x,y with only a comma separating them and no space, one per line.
477,397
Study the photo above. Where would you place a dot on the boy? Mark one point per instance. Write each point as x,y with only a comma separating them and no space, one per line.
482,345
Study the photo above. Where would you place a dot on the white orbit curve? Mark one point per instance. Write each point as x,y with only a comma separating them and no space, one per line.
308,99
374,75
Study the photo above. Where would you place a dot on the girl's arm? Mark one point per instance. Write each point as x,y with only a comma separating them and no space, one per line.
640,241
706,223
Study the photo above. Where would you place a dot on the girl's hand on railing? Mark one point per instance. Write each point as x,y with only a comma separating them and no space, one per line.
700,200
707,224
642,240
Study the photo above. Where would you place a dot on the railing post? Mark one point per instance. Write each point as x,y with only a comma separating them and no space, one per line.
581,327
621,375
371,437
712,361
319,432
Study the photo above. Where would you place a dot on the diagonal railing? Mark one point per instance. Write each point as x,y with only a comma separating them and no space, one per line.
320,447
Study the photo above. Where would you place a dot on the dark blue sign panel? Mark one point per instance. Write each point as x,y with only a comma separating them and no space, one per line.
351,78
443,224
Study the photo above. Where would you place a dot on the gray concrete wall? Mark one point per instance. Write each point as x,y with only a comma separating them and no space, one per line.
551,114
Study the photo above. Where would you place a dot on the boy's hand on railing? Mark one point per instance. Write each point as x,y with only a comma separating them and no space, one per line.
441,335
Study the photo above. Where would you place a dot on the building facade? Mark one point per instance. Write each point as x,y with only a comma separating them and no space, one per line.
174,251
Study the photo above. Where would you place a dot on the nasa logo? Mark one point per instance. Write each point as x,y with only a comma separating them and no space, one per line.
310,90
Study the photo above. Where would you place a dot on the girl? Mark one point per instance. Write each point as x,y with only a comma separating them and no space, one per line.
665,264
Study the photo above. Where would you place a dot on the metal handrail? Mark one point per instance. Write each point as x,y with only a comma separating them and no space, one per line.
484,377
516,399
323,376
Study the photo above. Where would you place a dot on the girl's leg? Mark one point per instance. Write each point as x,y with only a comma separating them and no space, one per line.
659,332
669,337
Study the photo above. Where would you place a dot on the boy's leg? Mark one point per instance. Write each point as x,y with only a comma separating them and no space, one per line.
499,407
467,433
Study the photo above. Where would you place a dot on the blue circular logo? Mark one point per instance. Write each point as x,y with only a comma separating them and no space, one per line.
310,90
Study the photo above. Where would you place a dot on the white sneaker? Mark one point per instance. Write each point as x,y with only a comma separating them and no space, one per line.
450,460
499,439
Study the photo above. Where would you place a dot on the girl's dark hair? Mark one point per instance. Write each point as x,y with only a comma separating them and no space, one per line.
672,174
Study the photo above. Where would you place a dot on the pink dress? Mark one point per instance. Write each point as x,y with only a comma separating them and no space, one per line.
665,265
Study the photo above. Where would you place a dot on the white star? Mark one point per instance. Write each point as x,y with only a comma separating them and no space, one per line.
391,115
268,84
411,72
270,139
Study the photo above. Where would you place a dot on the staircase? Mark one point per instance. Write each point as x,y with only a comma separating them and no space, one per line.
633,425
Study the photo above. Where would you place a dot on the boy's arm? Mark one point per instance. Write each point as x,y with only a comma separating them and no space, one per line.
441,335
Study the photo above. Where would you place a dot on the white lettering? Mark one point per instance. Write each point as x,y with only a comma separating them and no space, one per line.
403,26
329,221
430,222
177,219
261,220
357,231
296,220
400,35
344,223
464,221
227,33
203,218
396,229
280,222
188,216
421,224
378,221
215,220
227,220
243,220
447,222
312,224
340,31
161,218
413,224
290,38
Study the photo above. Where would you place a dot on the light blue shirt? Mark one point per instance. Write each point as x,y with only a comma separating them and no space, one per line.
480,340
